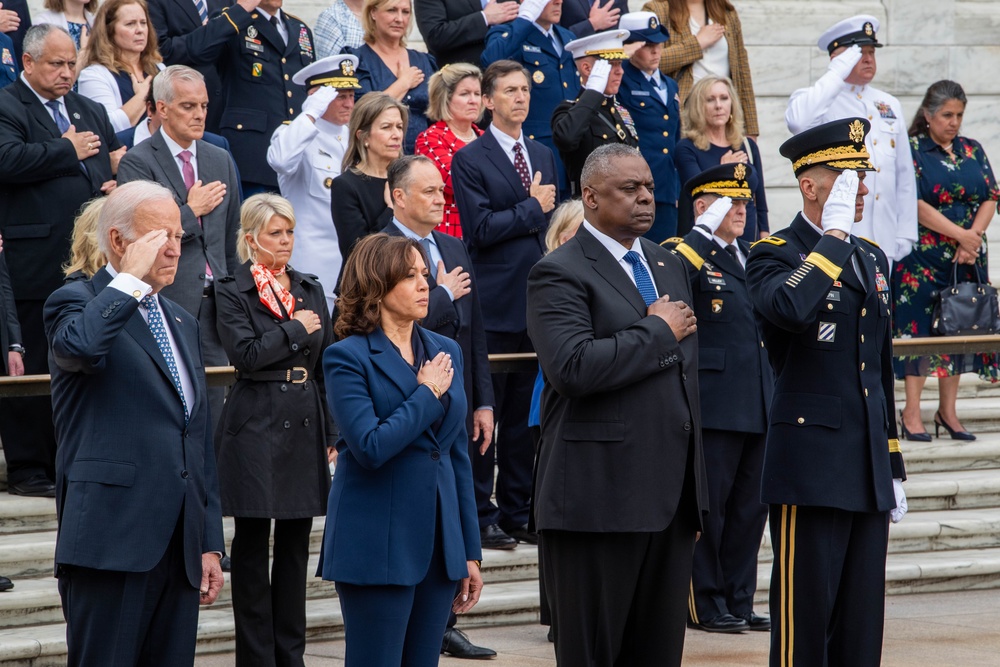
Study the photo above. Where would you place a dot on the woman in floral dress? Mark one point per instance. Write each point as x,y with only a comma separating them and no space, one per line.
957,200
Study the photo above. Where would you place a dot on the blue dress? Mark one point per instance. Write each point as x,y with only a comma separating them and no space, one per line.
956,185
691,161
373,74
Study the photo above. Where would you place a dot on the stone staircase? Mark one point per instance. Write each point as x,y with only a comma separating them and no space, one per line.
949,541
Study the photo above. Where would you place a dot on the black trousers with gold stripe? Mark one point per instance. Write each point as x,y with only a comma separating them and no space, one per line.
827,593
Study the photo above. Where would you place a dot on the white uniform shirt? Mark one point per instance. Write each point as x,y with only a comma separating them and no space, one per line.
307,157
890,217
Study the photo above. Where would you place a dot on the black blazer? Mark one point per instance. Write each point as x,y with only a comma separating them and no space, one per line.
357,205
621,427
461,320
454,30
10,329
43,186
502,226
575,13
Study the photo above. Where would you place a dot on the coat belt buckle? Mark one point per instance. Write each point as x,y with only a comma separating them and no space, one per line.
300,369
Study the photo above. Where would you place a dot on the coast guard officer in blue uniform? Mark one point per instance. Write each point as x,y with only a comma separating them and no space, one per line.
651,98
735,383
8,62
536,40
833,471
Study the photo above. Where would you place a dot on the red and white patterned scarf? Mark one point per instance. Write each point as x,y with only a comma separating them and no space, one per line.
271,291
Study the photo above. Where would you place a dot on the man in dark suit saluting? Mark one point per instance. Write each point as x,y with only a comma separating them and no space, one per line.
140,525
57,150
505,212
621,479
418,207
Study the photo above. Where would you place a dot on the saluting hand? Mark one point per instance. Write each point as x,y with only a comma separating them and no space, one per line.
86,143
141,254
531,9
841,204
599,75
715,214
843,63
677,314
309,319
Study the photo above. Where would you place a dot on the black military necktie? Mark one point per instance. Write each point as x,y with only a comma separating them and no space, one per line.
276,24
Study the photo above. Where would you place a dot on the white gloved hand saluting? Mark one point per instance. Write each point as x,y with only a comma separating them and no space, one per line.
901,508
316,104
598,79
531,9
845,62
715,214
838,211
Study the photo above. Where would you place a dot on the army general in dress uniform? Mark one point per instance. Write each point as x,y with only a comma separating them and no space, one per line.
735,384
595,117
832,466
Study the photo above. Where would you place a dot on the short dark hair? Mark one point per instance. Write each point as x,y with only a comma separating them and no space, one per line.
498,69
598,164
399,170
377,264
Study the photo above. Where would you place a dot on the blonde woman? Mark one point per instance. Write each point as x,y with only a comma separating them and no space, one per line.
85,258
713,126
275,438
385,64
456,105
120,60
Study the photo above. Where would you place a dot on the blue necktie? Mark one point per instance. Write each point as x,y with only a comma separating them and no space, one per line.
431,264
159,331
61,121
202,10
642,279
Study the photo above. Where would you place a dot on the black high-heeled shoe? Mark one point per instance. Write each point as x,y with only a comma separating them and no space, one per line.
955,435
912,437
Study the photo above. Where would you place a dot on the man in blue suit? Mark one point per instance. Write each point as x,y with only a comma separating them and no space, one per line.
505,190
652,99
140,526
536,40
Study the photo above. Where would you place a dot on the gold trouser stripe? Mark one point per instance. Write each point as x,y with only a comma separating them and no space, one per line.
692,608
690,254
782,586
824,265
235,27
791,587
894,446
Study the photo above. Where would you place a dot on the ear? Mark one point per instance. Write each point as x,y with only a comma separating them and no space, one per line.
397,195
700,206
118,242
809,188
589,197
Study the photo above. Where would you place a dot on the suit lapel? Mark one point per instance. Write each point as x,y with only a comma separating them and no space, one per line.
610,270
536,38
187,8
502,163
161,153
37,110
184,354
385,357
726,262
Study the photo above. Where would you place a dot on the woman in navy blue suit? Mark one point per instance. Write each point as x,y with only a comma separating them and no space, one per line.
401,524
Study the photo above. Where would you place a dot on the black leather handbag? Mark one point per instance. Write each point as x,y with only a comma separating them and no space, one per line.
966,308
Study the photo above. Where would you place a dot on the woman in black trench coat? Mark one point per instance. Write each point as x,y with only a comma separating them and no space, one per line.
275,437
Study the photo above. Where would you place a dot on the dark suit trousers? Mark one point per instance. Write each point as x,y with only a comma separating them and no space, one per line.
512,448
29,439
213,353
270,607
618,599
131,619
724,577
827,586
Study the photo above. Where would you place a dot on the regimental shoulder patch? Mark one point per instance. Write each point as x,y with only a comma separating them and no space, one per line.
773,240
868,241
826,332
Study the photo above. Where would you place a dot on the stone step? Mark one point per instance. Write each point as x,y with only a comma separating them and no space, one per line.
943,455
964,489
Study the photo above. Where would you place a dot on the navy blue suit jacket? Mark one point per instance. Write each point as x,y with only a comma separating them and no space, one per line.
658,125
395,474
128,466
502,226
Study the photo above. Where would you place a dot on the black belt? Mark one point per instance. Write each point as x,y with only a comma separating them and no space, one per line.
297,375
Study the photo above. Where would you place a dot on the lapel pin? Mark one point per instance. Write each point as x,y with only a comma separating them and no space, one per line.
659,263
76,115
177,318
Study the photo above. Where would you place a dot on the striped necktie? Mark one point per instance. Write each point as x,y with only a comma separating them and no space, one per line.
202,10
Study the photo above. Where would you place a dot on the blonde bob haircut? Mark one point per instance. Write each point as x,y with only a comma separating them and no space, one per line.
102,50
364,115
85,255
255,213
566,217
442,88
695,122
368,23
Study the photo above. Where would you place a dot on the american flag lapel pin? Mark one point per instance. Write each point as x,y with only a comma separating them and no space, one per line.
659,263
177,318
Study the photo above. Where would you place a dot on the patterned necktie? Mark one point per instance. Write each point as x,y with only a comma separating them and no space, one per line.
61,121
521,167
159,331
431,264
202,10
642,279
187,173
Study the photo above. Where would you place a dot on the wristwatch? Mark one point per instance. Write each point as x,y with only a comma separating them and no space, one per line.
16,347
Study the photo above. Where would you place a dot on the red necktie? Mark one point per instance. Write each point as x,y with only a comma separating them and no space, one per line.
187,173
521,167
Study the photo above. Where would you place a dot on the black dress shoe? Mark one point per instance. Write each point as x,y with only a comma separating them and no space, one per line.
492,537
226,563
6,584
38,486
757,622
955,435
552,635
723,623
522,534
457,645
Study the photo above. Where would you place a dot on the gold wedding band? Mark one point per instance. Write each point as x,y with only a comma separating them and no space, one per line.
90,147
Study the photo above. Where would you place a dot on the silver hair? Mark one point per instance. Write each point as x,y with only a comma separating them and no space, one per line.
120,207
34,39
599,163
163,83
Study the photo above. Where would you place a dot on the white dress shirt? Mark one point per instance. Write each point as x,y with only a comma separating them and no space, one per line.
176,149
507,144
618,251
722,244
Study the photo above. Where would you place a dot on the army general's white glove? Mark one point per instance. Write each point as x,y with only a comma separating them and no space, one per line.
838,211
316,104
715,214
598,79
897,514
845,62
531,9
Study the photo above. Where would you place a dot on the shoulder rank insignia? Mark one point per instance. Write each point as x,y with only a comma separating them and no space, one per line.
673,240
773,240
690,254
868,241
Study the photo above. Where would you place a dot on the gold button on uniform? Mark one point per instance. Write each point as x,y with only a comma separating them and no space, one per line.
666,117
829,306
801,420
862,365
239,126
862,338
665,150
604,136
642,104
666,134
565,85
864,311
291,111
866,392
282,61
289,93
286,77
